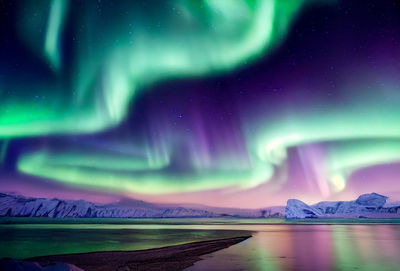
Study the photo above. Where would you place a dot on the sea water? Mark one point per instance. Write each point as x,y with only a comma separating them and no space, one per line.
274,245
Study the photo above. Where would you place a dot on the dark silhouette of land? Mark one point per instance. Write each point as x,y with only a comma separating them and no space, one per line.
176,257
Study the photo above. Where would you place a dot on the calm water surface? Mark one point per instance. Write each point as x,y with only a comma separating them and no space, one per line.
311,247
274,246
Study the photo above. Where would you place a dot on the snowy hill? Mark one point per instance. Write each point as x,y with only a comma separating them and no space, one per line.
18,206
366,206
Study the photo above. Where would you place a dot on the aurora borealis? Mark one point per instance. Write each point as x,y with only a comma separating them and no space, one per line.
219,102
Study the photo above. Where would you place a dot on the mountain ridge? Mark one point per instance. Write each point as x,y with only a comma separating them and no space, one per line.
20,206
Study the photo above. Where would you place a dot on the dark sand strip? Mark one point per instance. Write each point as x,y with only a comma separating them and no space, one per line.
171,258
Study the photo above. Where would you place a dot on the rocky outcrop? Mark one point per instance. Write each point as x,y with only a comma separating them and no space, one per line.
366,206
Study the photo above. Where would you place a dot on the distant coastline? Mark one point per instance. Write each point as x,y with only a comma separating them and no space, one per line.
19,206
371,206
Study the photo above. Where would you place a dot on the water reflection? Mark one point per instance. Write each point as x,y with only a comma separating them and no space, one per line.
33,240
272,247
312,247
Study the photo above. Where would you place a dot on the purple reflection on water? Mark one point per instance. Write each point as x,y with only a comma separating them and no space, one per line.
311,247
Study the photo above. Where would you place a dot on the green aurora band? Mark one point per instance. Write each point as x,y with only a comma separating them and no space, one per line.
356,143
114,60
228,34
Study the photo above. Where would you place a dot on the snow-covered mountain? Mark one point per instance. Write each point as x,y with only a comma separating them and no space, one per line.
19,206
366,206
297,209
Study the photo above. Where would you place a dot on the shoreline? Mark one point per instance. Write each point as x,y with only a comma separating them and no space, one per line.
10,221
177,257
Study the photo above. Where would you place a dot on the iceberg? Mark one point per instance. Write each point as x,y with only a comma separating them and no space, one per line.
371,205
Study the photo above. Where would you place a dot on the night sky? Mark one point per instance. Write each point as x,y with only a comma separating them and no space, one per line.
219,102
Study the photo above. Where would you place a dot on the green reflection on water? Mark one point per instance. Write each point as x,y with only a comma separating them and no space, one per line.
276,244
23,241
